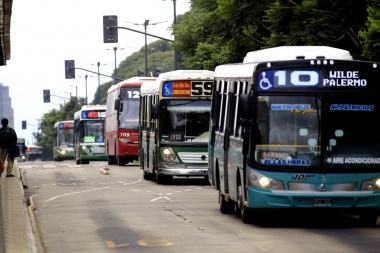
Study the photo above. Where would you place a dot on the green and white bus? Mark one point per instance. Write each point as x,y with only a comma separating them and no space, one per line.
63,142
89,134
174,124
296,128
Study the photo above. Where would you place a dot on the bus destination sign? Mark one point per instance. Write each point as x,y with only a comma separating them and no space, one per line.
65,125
339,79
93,114
186,88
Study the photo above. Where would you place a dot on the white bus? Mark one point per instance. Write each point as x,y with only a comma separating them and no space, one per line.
174,125
63,140
89,134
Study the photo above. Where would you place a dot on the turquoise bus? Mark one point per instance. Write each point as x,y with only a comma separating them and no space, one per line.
174,125
63,140
89,134
296,128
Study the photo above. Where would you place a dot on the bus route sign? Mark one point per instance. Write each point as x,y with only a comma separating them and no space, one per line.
186,88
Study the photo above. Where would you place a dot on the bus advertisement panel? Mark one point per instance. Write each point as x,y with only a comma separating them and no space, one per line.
174,125
121,121
63,148
89,134
297,131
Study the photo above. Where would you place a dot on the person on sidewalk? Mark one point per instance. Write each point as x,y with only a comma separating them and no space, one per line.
8,138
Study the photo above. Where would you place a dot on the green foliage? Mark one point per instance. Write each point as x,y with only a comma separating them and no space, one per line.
371,36
317,22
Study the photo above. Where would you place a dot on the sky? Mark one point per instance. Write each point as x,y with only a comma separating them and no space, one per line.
45,33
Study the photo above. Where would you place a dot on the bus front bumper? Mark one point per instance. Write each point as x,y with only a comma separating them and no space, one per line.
182,170
350,200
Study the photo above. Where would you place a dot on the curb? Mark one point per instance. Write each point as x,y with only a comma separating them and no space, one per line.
31,208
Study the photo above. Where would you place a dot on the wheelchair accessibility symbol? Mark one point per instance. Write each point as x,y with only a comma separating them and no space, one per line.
265,83
167,92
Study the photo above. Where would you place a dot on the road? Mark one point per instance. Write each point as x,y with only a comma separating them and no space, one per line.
80,209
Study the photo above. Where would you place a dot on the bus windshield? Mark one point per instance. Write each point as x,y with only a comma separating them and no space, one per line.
92,131
185,120
66,137
129,118
289,131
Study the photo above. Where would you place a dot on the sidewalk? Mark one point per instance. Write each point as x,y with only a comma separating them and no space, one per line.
16,232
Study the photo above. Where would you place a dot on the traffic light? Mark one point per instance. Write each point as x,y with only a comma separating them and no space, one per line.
23,123
46,96
140,72
109,34
156,71
69,69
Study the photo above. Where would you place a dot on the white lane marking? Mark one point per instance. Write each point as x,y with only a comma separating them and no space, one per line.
185,209
162,197
63,195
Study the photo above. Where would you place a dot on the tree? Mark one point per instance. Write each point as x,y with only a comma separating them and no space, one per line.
371,36
317,22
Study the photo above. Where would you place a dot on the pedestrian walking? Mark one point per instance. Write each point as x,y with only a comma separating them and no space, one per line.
8,139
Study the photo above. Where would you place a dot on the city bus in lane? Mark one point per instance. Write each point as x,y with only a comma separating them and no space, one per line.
33,153
121,121
174,125
63,140
21,145
296,128
89,134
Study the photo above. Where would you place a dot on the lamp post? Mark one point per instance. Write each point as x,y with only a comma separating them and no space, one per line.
86,76
175,22
114,49
98,64
146,23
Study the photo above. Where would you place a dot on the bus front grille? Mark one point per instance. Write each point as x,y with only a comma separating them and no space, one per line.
193,157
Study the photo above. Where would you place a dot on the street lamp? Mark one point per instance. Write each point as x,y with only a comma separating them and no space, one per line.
76,90
175,51
146,23
86,76
98,64
114,49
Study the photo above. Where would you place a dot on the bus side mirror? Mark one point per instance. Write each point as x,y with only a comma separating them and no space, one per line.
154,111
245,107
55,132
117,104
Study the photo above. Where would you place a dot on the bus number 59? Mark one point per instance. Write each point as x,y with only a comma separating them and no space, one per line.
201,88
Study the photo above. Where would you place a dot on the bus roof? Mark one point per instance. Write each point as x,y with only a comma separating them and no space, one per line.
246,69
133,81
88,107
149,87
63,121
292,52
186,74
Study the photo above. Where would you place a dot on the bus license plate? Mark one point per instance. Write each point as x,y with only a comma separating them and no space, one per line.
322,202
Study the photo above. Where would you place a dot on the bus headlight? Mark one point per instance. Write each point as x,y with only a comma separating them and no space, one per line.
370,185
168,154
84,147
261,181
125,140
63,152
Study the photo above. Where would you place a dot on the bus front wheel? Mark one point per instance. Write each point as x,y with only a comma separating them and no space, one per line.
226,207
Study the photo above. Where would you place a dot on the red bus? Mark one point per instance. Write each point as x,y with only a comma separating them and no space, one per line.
122,121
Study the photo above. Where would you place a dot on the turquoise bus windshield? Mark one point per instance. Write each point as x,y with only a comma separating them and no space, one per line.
290,131
185,120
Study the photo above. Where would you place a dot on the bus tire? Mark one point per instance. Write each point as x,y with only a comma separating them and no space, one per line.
163,179
245,213
84,161
111,160
77,162
226,207
147,175
368,219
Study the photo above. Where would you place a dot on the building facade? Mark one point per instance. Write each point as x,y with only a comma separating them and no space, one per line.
6,110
